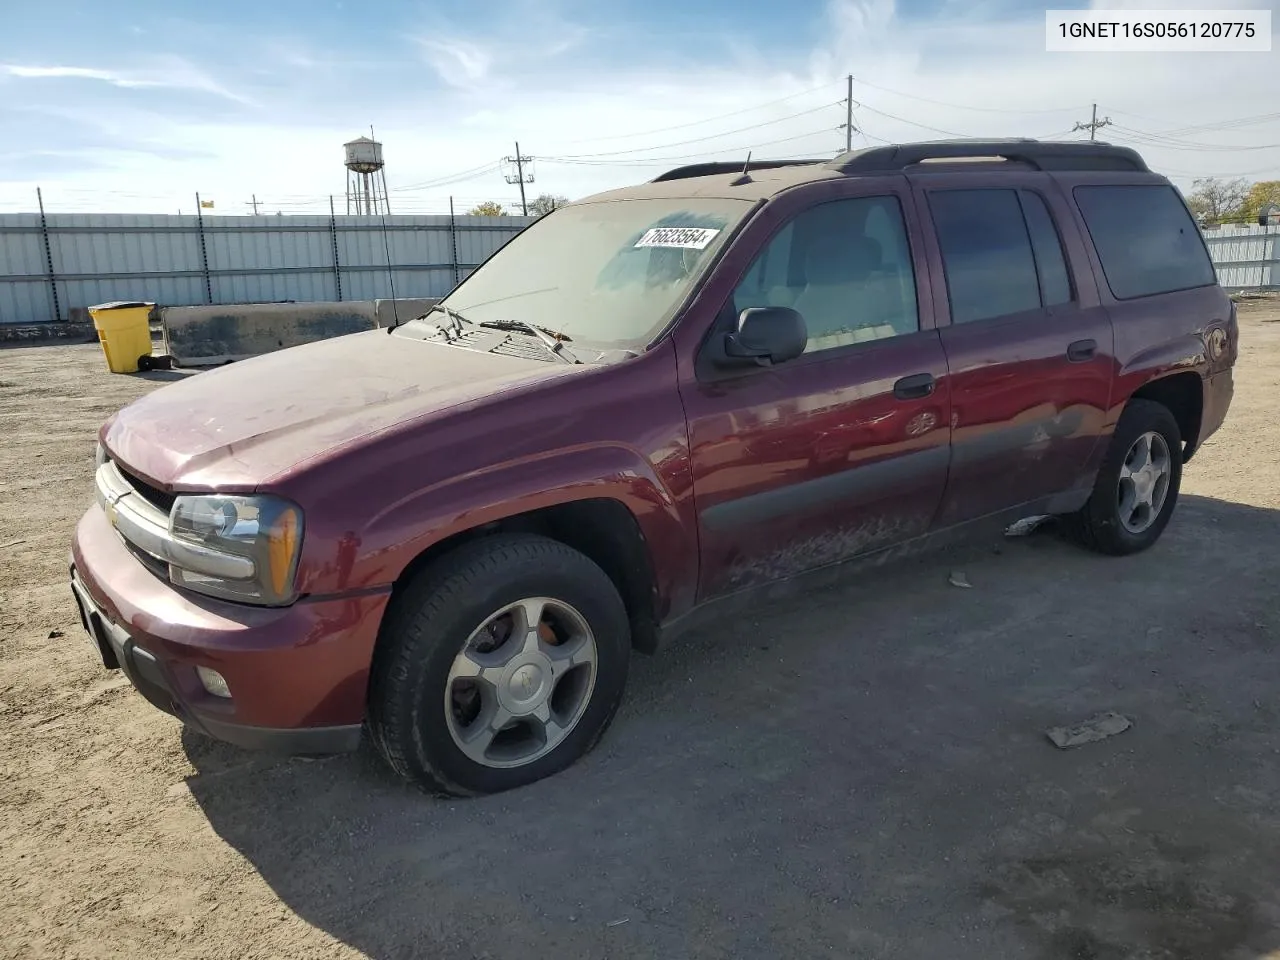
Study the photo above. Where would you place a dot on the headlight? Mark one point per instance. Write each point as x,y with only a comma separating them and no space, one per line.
262,530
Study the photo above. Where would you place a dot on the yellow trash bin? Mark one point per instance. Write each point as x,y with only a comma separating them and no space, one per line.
124,328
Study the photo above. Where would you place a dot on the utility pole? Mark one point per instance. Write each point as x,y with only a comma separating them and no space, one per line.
848,116
1094,125
255,203
520,177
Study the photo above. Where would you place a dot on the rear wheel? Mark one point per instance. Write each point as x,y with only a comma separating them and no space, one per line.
499,665
1137,485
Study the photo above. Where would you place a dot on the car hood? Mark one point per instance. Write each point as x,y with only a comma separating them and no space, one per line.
244,424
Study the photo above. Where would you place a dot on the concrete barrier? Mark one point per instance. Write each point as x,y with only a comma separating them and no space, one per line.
36,333
213,335
406,308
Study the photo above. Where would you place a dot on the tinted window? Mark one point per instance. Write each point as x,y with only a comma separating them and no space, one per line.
1055,287
845,266
1146,240
986,253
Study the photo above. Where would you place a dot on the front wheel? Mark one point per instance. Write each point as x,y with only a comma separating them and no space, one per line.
499,665
1137,485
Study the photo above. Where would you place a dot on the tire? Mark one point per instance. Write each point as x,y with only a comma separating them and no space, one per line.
146,362
1100,525
415,720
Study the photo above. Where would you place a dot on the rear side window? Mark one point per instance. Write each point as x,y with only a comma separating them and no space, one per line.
1146,240
986,253
1055,286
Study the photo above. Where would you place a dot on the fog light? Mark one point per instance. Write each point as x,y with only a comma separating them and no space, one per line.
214,682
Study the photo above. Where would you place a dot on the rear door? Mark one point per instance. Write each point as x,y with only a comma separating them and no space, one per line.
844,449
1029,348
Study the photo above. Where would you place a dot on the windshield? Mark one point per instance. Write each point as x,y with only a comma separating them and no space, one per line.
601,273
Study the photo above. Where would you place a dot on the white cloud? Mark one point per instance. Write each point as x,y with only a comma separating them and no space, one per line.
167,72
77,73
592,93
460,63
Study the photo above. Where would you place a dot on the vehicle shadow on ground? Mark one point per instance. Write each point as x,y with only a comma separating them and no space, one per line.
860,772
164,376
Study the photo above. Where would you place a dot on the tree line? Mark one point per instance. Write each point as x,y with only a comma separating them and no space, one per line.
1216,201
1212,200
537,207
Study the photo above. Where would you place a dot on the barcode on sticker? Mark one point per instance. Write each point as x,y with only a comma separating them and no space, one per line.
690,238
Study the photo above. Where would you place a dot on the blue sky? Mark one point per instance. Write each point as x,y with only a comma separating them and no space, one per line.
138,104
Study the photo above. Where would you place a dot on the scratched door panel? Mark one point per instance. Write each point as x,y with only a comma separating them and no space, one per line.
1017,304
816,462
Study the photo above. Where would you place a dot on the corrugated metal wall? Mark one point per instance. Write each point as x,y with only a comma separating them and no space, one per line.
1247,257
184,261
102,257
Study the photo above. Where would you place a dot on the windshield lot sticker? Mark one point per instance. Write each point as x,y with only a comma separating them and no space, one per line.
688,238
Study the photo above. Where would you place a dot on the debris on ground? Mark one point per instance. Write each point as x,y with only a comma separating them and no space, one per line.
1098,727
1024,526
958,579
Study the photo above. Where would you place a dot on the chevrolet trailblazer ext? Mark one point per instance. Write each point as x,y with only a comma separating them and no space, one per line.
452,533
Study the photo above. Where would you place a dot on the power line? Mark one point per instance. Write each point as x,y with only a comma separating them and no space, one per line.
1170,143
1225,124
461,176
682,143
647,161
699,123
922,126
958,106
1205,127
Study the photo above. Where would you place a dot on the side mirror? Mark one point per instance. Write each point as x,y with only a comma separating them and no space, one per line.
767,336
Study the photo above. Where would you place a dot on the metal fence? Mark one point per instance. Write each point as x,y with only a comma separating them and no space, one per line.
1247,257
53,265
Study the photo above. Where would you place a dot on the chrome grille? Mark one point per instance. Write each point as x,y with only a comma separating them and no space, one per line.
153,495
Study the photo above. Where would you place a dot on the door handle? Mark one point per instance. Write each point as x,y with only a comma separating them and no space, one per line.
1082,350
914,387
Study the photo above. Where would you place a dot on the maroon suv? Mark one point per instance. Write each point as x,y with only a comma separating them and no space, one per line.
452,533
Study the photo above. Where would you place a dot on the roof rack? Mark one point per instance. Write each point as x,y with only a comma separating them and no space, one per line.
712,168
1041,154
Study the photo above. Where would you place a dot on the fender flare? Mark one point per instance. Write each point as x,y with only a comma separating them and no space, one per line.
402,530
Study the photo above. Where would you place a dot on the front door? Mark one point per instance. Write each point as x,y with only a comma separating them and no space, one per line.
844,449
1029,348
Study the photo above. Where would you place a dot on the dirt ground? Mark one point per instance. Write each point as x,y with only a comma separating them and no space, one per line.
861,773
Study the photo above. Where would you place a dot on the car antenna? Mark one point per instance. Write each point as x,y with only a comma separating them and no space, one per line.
745,176
386,246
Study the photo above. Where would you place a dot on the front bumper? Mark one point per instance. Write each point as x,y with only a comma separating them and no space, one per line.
298,675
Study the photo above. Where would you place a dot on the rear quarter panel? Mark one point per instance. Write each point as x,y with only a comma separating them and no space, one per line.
1159,335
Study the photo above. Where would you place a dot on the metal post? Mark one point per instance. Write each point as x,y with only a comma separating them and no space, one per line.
1262,258
333,237
48,257
848,117
524,207
453,240
204,252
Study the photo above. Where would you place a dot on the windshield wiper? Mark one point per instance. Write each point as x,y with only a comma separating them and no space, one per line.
456,320
553,340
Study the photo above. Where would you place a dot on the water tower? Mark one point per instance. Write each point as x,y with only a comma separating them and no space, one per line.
366,177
